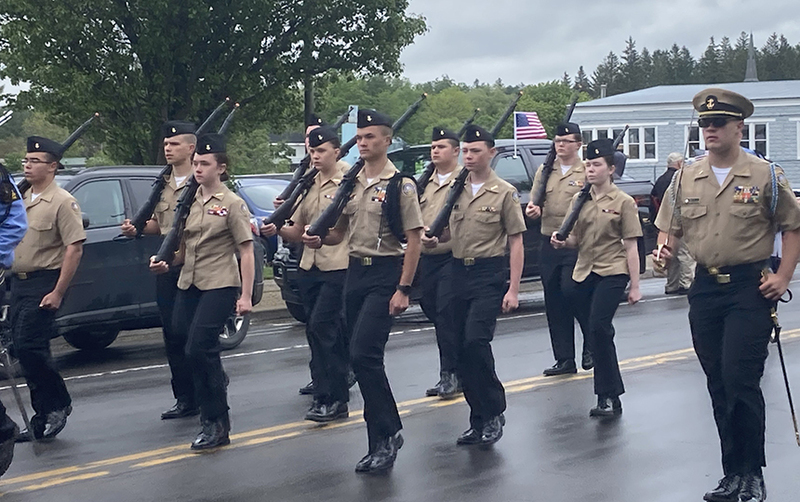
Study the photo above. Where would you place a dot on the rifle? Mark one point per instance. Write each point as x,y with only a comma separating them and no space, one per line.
583,196
172,241
427,172
328,218
306,162
287,208
537,198
145,212
24,185
443,218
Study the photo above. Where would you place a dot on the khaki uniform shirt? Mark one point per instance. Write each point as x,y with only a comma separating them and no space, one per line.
480,225
729,224
600,229
433,199
558,194
54,222
368,231
318,198
165,209
214,230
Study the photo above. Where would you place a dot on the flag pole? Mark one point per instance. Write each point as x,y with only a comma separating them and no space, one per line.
515,134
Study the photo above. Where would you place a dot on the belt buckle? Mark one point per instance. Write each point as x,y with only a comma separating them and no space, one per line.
366,261
22,275
468,262
723,278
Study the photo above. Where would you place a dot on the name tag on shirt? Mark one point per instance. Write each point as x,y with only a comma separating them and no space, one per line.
610,211
745,194
576,183
488,209
218,210
691,200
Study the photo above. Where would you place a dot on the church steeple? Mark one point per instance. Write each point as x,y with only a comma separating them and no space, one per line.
751,74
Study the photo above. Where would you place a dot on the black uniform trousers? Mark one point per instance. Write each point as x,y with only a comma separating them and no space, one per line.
598,297
367,290
32,328
7,426
731,327
166,291
478,301
556,266
436,282
322,294
198,319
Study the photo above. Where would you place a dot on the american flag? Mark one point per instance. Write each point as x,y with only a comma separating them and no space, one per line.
528,126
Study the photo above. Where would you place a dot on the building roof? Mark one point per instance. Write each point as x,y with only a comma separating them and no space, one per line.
682,94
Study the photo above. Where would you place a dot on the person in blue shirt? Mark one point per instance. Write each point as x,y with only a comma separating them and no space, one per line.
13,225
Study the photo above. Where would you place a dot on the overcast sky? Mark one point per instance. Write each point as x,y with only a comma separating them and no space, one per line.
534,41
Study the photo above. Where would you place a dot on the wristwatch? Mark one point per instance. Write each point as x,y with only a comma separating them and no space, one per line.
406,290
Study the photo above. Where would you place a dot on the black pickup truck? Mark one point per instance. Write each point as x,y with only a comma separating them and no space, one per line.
113,289
517,165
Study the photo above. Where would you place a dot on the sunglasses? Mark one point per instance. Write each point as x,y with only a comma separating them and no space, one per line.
716,122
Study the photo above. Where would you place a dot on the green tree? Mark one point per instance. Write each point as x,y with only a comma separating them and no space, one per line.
708,68
140,62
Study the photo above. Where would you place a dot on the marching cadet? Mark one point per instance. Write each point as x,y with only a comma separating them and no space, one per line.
727,208
378,278
606,236
209,284
557,265
179,146
44,264
321,281
13,225
486,219
436,263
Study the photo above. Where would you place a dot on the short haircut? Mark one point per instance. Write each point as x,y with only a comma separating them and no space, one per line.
387,131
222,158
674,159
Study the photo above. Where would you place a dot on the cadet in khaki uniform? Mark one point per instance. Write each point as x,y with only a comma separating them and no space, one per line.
486,219
217,227
564,182
606,236
725,211
44,264
436,263
378,279
321,281
179,146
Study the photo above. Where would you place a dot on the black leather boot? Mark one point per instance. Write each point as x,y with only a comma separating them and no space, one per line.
180,410
606,407
562,368
726,491
448,386
214,434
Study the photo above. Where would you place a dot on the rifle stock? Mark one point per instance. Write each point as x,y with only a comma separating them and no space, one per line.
443,218
172,241
287,208
327,219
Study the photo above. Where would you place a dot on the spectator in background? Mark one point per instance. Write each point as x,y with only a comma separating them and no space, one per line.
679,271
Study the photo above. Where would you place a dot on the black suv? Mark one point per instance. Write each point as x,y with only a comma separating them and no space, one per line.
515,164
113,289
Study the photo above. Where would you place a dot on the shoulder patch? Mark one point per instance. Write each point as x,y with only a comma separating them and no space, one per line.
75,207
244,208
515,196
409,188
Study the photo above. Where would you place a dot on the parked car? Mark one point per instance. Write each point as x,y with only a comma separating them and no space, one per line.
113,289
515,164
258,192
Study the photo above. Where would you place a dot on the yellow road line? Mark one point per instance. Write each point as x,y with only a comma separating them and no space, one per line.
263,435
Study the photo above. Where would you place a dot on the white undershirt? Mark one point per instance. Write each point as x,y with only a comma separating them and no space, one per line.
442,177
564,169
475,188
179,180
34,196
721,173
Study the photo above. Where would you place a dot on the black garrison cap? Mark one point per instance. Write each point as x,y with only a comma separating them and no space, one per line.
38,144
477,133
567,128
368,118
314,121
441,133
176,127
599,148
210,143
321,135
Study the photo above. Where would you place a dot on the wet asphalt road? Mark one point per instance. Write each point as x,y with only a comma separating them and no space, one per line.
664,448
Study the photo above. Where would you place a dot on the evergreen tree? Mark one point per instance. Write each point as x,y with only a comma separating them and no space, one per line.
606,73
582,81
708,68
630,75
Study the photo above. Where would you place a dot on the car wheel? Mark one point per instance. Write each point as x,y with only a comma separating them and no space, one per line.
234,331
91,340
297,311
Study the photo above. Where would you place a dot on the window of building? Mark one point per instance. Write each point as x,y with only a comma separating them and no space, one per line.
101,202
754,137
695,141
638,144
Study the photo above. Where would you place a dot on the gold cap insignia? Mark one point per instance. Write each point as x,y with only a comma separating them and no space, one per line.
319,136
36,145
369,118
711,102
208,147
596,151
174,130
441,132
477,134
